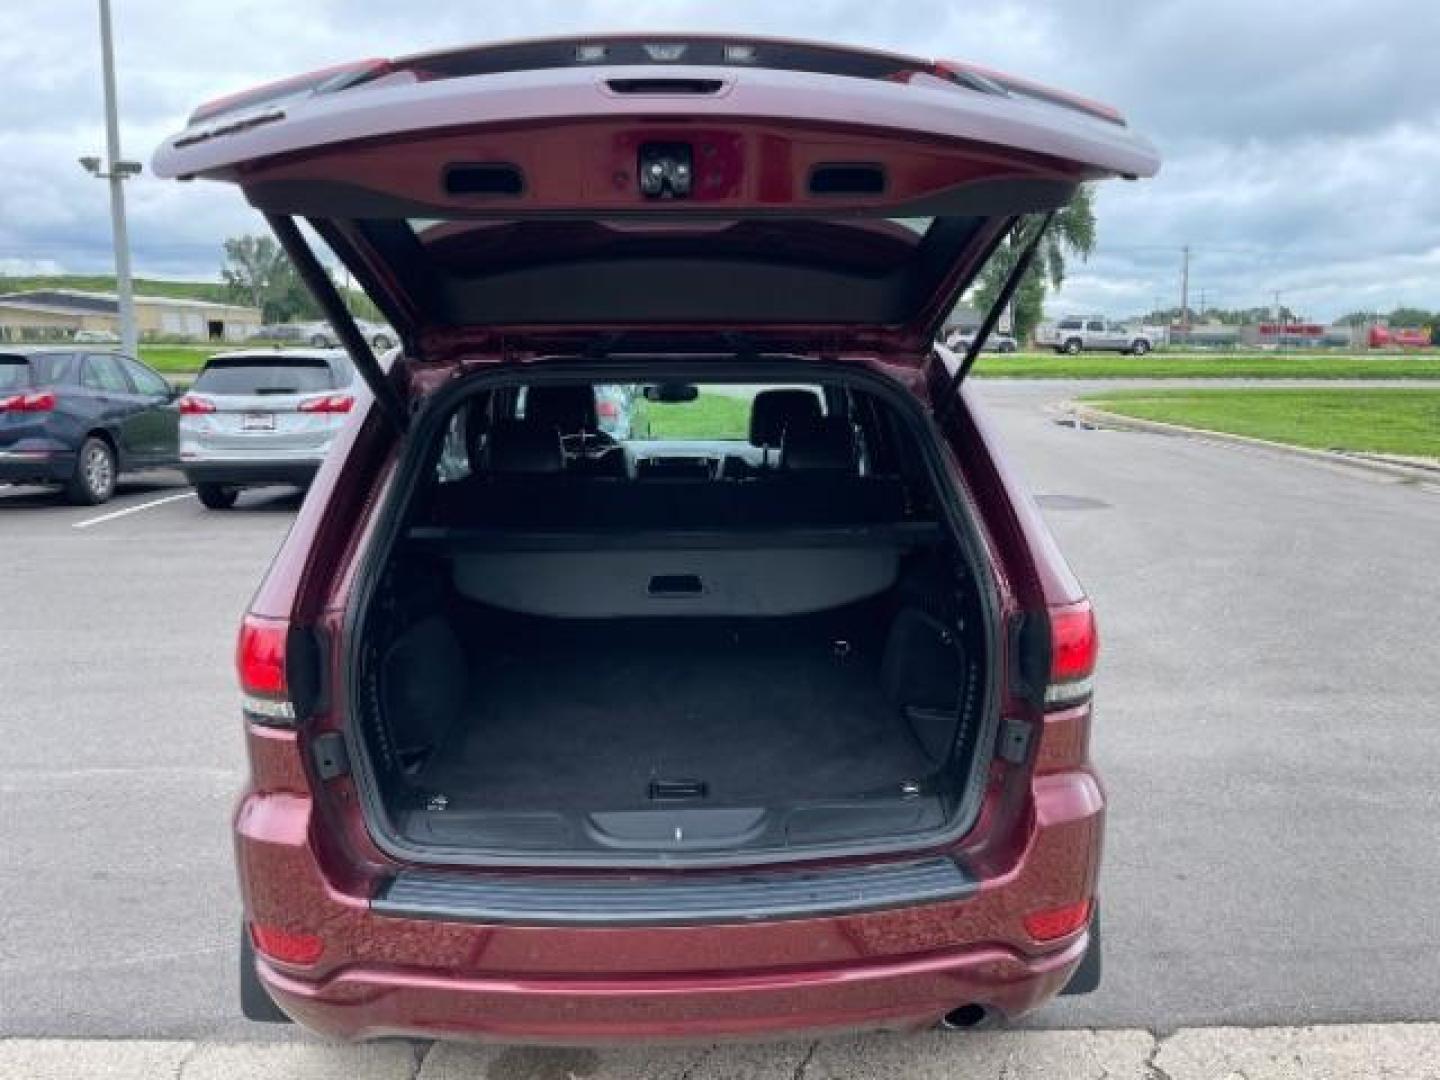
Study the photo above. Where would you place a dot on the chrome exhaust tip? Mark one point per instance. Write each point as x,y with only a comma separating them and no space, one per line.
965,1018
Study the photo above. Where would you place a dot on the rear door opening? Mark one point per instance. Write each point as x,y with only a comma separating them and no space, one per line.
740,620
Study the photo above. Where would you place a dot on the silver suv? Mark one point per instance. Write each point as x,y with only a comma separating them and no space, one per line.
1073,336
322,335
261,417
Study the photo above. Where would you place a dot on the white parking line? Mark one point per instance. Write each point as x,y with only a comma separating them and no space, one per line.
132,510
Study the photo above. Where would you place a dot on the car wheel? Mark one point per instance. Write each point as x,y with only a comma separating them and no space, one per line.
255,1001
319,341
94,479
216,496
382,342
1140,348
1071,347
1007,347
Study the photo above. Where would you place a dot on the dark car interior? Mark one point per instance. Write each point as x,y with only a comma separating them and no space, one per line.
613,644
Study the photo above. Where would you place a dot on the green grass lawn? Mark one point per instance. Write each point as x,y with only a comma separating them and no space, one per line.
710,416
1397,421
187,359
179,359
1209,366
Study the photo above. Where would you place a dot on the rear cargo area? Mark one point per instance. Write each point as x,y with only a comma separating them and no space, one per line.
559,663
618,715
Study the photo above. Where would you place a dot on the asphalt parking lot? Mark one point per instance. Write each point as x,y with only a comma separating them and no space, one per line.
1264,722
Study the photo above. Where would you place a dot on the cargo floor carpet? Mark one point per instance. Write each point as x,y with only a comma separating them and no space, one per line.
587,721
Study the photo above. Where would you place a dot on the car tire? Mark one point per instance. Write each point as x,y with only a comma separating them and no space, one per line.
382,342
216,496
1006,347
1072,347
1139,348
95,472
255,1001
1086,979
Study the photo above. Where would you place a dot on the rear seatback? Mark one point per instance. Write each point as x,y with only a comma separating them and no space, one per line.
536,538
608,504
559,500
521,481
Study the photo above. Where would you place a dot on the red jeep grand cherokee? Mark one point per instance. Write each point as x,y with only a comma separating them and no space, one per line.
664,649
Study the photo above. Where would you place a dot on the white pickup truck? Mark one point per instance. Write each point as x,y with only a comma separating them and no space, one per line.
1093,335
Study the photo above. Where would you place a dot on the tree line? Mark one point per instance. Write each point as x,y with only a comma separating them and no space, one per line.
1401,317
257,272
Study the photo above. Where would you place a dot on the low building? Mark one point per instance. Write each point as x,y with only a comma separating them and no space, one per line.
57,314
1296,335
1207,335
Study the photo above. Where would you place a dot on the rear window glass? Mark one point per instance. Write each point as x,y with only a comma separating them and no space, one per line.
866,245
758,269
249,376
14,373
59,369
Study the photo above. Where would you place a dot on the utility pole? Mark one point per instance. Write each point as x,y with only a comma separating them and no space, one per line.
116,171
1185,287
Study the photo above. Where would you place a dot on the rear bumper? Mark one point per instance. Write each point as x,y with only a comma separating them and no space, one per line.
374,1002
38,464
383,973
242,472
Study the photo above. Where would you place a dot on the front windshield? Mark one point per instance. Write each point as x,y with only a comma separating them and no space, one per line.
639,420
719,412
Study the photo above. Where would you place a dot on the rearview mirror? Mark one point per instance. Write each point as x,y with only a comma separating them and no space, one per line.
672,393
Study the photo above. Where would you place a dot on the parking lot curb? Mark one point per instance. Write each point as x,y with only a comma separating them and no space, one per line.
1398,1051
1374,463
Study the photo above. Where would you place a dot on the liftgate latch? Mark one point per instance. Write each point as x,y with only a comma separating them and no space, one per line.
667,170
1015,740
331,758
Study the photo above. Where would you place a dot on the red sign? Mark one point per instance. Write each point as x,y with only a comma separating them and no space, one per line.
1381,336
1270,329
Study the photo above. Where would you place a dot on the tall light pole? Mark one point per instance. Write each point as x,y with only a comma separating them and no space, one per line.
1185,287
116,171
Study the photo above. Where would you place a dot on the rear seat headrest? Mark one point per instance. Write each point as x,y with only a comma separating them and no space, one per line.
570,408
819,444
524,446
773,411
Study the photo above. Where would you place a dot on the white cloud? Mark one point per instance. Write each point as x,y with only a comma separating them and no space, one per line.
19,267
1300,146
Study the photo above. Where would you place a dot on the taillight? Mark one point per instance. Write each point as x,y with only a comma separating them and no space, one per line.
330,403
1074,646
44,401
260,659
286,945
1057,922
190,405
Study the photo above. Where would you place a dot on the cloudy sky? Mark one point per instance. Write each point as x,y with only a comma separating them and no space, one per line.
1301,140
